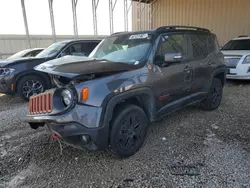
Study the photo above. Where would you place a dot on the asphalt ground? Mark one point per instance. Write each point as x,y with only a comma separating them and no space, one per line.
189,148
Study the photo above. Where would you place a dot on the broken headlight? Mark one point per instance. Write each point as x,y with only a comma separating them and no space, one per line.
67,97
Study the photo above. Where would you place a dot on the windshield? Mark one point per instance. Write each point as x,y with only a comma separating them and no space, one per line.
18,54
124,48
243,44
52,50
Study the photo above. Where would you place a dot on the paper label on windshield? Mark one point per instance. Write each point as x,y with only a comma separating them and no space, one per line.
139,36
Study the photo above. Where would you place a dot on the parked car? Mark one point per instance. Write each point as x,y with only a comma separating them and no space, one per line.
237,58
129,80
26,53
18,75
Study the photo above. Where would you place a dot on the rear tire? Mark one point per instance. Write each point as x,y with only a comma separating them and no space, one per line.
128,130
30,85
214,96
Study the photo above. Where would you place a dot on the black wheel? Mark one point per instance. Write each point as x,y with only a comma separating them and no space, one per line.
214,97
128,130
30,85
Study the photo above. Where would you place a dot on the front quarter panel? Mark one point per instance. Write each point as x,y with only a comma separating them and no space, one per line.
102,89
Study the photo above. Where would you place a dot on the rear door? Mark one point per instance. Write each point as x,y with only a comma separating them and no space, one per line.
201,59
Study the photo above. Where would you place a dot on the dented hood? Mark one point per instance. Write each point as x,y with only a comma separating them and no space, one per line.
76,66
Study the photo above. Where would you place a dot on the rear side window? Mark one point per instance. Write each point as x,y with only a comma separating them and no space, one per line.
213,45
203,44
199,45
34,53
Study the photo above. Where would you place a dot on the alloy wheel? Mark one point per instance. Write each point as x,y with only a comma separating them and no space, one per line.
130,132
32,87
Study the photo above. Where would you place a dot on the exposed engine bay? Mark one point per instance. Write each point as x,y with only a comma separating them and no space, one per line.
60,81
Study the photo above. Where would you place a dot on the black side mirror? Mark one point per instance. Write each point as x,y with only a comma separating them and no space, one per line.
172,57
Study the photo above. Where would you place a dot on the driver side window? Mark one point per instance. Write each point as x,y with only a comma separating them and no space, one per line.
170,44
74,49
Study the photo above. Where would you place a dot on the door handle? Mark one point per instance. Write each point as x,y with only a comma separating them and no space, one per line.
211,63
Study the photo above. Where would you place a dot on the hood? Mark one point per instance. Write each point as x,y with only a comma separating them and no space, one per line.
76,66
236,52
11,62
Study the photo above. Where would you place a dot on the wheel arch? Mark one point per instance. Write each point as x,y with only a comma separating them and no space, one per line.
221,75
44,76
142,97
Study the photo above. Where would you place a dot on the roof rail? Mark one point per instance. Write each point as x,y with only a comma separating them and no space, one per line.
174,27
119,33
242,36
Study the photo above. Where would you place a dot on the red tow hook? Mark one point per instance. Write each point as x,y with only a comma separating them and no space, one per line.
55,136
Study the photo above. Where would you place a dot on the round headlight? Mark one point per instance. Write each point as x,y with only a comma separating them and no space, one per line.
67,97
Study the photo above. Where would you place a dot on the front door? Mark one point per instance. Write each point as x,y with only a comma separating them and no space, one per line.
172,81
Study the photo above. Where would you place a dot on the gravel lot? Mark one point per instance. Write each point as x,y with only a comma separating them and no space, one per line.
190,148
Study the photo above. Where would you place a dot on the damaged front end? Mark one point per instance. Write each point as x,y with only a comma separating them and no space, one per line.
75,124
66,109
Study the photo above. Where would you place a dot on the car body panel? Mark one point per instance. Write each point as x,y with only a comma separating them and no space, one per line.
74,66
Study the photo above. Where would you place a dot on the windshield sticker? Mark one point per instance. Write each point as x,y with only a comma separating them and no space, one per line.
139,36
125,47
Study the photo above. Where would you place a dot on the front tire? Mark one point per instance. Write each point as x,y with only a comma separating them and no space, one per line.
128,130
214,96
30,85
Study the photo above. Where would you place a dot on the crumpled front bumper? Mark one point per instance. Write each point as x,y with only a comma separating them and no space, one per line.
80,121
85,115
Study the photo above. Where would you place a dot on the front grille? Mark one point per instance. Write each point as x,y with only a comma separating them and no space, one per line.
41,104
232,61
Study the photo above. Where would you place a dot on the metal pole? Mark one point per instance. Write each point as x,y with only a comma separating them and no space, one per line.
111,21
150,17
142,11
25,23
74,4
126,11
125,14
111,13
139,15
52,21
152,13
94,8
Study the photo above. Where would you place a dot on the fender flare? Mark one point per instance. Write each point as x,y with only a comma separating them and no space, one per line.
219,71
110,104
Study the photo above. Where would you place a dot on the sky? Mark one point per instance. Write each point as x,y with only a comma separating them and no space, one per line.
11,19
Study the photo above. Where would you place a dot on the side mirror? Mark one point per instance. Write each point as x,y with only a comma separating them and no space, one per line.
172,57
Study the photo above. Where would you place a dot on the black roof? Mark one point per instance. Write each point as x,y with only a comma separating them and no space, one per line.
79,40
165,29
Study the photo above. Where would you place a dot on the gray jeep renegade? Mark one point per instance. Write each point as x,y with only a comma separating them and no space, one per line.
107,100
